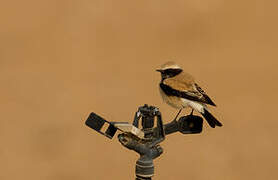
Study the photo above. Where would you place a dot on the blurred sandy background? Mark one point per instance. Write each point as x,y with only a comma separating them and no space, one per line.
61,60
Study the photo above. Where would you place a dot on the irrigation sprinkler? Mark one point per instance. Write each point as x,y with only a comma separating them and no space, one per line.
145,141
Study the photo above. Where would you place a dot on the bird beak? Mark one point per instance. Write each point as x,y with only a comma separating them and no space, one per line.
159,70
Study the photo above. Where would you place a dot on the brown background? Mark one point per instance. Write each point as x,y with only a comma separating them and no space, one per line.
61,60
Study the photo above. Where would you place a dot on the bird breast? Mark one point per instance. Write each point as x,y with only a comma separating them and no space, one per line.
173,101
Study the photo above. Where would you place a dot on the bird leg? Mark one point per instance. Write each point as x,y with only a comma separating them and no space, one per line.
191,112
178,114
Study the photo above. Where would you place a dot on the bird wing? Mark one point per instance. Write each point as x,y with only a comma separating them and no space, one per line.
185,88
204,95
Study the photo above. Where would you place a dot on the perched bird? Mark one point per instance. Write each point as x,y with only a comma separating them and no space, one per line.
179,90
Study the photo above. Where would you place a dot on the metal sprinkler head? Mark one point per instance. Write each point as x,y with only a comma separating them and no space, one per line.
145,141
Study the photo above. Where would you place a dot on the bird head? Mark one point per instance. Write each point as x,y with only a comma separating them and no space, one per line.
169,69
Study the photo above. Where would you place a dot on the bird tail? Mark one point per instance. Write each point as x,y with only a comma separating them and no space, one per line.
211,119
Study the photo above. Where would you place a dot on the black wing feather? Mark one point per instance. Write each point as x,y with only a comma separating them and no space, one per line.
205,96
187,95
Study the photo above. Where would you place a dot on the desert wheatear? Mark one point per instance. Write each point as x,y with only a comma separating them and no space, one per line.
179,90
